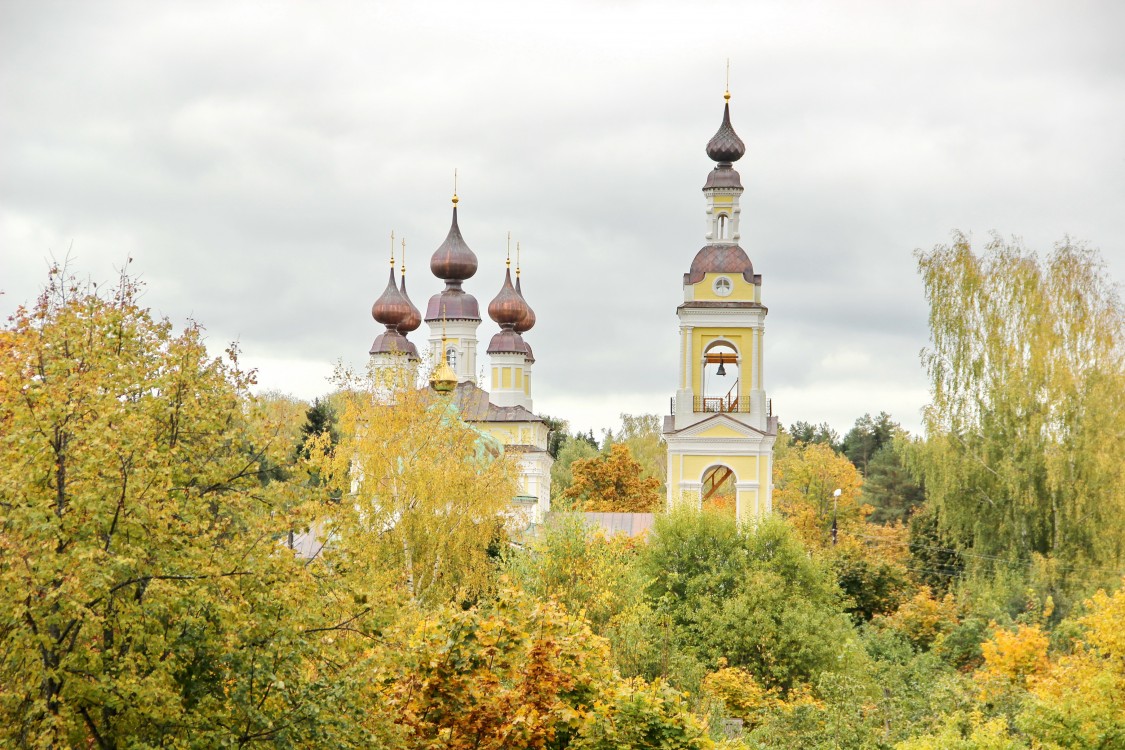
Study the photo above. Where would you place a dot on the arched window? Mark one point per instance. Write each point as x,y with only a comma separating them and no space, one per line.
451,357
722,226
720,379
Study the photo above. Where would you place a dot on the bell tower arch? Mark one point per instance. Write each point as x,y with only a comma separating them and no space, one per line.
721,431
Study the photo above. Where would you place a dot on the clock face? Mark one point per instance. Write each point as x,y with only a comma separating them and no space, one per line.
722,286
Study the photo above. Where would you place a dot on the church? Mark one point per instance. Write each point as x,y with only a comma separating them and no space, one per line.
453,317
721,430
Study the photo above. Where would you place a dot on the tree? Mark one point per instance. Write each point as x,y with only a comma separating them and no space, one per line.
751,595
613,483
1027,422
806,432
425,494
144,599
865,439
643,434
593,575
889,486
1079,701
805,478
574,448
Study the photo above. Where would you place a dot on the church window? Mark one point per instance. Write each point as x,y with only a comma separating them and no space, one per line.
451,357
722,226
722,286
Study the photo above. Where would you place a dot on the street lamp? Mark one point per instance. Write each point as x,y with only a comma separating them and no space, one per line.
835,501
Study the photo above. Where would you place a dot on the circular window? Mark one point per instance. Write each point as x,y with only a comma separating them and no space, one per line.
722,286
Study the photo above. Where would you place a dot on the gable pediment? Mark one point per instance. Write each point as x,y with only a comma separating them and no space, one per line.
720,426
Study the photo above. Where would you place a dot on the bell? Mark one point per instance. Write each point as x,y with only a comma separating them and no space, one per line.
722,370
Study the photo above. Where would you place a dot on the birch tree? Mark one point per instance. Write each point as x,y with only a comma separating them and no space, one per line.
425,495
1026,428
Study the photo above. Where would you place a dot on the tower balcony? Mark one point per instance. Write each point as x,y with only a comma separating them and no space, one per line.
720,404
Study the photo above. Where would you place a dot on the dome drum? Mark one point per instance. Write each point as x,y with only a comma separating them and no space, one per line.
393,342
508,342
452,304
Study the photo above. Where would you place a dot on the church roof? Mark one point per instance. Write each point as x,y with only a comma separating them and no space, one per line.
721,259
473,404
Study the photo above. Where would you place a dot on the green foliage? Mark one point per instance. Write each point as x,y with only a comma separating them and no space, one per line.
933,559
868,437
967,731
1025,432
592,575
889,487
807,433
749,595
639,716
144,600
577,448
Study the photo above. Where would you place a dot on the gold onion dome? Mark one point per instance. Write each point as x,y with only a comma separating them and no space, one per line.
444,379
725,146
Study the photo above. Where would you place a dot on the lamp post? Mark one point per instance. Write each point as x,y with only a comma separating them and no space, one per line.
835,502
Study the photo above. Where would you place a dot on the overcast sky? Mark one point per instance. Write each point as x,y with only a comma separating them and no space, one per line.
252,158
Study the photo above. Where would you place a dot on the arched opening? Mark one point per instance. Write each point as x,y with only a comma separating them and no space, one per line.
451,357
720,378
722,226
718,490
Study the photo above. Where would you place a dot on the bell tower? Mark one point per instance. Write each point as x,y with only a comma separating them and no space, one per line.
721,432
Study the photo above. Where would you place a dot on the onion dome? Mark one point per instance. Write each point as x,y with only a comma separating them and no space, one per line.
453,261
508,308
528,321
444,378
725,146
414,318
392,308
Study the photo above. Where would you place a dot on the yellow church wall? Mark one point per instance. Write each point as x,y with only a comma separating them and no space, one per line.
741,291
745,467
720,431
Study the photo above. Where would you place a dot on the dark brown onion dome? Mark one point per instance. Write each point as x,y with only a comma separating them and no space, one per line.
391,341
723,176
725,146
528,320
453,261
508,307
507,342
392,308
452,304
412,321
720,259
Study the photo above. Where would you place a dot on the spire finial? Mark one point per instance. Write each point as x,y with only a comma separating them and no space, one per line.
392,249
726,94
455,186
508,261
403,256
517,260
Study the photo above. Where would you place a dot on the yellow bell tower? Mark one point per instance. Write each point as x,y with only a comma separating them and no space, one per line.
721,431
